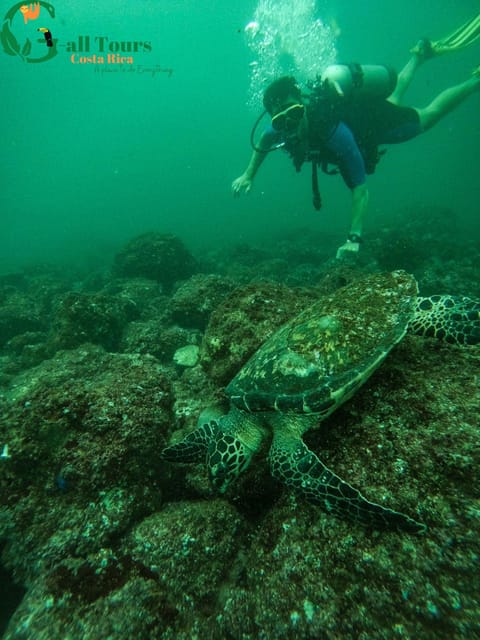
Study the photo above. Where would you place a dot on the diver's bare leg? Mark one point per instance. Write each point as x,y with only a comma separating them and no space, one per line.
404,79
447,101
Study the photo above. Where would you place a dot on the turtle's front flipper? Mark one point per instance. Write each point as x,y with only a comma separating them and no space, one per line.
225,455
194,447
300,469
453,319
227,447
238,436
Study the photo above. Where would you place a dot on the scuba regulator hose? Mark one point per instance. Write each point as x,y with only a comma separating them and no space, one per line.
254,145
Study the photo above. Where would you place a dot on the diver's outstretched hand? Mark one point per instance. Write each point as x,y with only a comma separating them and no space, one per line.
242,183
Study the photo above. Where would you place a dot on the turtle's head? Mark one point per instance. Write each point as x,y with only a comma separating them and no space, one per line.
237,437
227,458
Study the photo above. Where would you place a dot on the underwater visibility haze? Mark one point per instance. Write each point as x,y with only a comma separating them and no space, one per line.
91,157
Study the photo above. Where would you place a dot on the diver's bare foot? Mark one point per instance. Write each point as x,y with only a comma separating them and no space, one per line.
347,249
424,50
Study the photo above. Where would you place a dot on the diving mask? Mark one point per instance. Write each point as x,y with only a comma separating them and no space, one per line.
289,118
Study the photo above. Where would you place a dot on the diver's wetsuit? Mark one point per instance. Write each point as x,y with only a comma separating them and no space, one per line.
353,141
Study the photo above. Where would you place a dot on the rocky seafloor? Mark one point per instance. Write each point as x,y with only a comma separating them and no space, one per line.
101,539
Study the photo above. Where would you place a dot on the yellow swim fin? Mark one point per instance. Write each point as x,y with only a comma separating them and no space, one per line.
460,38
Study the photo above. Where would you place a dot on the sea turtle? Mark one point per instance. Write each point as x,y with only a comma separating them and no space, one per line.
307,369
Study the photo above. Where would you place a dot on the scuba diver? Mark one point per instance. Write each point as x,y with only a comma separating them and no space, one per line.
349,112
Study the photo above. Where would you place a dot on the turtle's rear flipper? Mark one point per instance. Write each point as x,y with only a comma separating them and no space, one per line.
193,448
453,319
300,469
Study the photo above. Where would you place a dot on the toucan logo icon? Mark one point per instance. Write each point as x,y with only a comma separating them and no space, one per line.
19,39
47,34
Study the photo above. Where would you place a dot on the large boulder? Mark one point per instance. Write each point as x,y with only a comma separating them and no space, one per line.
158,256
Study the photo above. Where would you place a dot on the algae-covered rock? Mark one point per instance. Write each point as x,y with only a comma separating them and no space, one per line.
177,545
95,318
18,314
150,584
158,256
144,296
156,337
104,596
83,415
84,430
193,302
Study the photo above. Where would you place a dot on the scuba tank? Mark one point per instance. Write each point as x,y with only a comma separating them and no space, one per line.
358,80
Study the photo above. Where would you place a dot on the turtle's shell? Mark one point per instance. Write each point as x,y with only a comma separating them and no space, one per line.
321,357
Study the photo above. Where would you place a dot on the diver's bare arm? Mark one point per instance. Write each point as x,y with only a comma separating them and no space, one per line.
255,162
244,182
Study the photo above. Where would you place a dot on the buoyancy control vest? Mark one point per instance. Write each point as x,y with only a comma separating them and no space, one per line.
339,91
